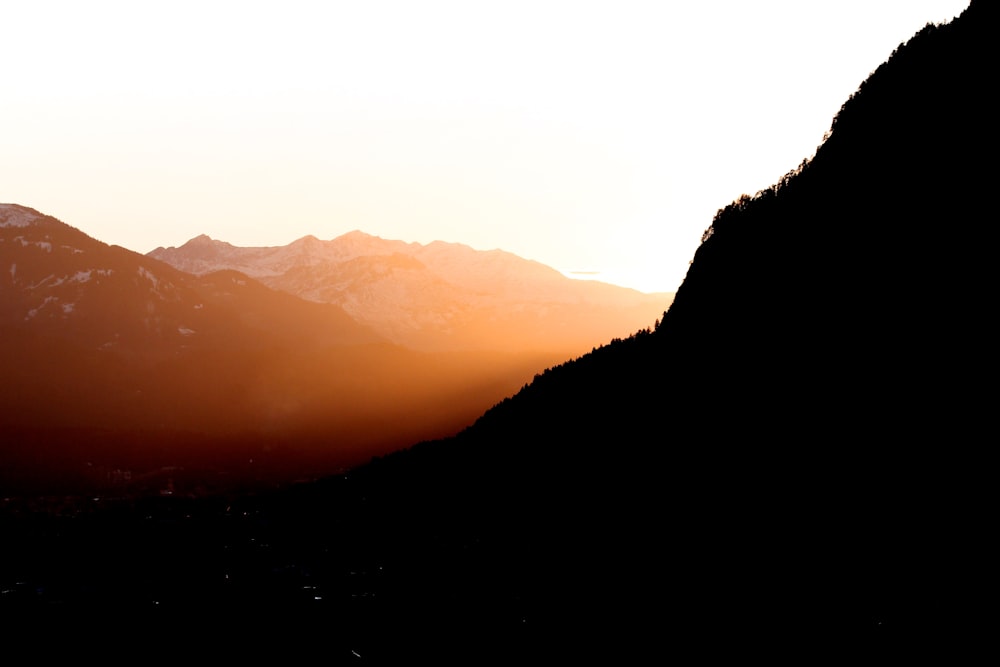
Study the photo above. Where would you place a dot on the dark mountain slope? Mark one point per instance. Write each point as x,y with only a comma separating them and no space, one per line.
796,451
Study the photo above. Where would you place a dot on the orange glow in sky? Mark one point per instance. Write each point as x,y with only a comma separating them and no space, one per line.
596,137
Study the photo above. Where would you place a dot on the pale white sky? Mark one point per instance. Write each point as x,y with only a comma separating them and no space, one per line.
590,136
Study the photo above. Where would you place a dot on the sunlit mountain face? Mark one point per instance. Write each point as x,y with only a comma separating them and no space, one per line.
439,296
115,360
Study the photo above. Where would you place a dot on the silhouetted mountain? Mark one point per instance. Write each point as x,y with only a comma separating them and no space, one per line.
439,296
794,454
791,464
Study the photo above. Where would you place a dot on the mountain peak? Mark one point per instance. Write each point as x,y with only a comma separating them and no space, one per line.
205,243
307,241
14,215
357,234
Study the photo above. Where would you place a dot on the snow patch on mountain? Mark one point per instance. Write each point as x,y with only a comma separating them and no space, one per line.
44,245
34,311
148,275
12,215
46,279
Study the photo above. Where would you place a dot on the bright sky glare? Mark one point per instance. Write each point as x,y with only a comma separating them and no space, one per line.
595,137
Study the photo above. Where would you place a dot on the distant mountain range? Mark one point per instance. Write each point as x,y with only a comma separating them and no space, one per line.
440,296
119,359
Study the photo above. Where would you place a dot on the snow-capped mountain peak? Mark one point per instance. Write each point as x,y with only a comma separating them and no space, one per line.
12,215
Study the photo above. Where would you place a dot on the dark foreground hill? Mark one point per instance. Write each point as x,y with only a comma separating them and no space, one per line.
790,463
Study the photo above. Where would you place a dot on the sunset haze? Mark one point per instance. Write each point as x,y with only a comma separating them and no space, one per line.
596,138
